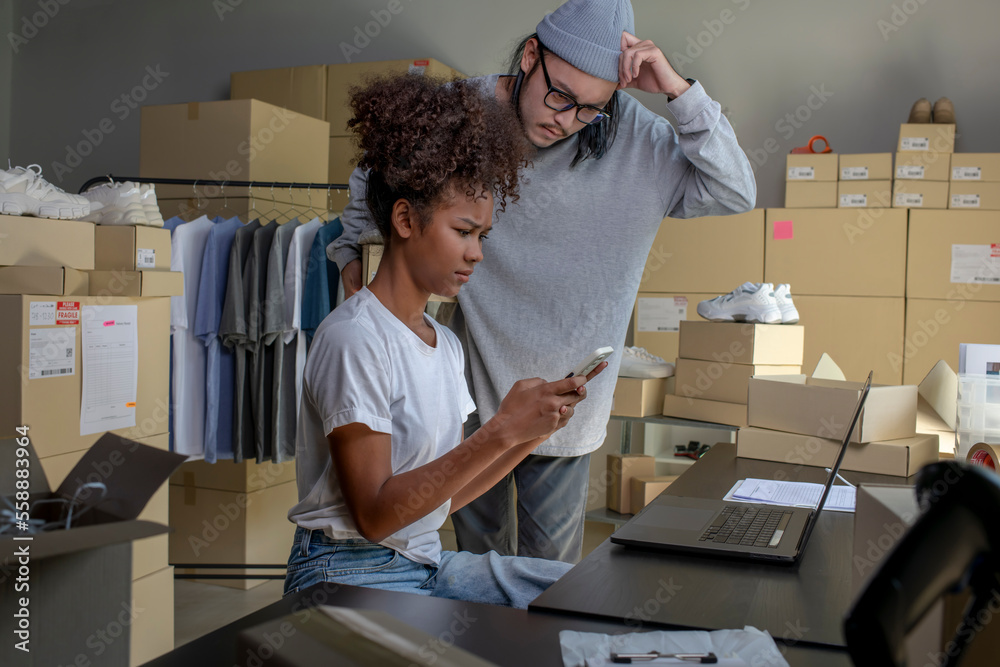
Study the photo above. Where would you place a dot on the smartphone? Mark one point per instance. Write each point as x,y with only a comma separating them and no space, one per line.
592,360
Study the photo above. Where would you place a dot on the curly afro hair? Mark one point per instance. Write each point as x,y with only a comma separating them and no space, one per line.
424,139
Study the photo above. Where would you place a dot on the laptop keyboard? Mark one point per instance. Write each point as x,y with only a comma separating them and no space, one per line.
748,526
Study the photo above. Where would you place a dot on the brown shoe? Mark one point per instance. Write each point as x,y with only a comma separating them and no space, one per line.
921,111
944,111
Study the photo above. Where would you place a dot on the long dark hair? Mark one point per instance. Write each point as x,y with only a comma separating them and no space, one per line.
593,141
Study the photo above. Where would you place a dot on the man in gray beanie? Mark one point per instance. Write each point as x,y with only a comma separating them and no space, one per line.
563,264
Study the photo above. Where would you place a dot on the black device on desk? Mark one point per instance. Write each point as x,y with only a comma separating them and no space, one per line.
753,531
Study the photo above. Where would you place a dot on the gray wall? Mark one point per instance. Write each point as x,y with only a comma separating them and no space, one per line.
762,59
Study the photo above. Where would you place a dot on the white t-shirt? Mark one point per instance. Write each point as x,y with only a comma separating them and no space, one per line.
189,353
365,366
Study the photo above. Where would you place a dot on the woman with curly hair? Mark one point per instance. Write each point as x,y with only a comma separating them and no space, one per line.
381,458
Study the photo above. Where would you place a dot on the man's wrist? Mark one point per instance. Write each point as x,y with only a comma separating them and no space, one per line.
682,87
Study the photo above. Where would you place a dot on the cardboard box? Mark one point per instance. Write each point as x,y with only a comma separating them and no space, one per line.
901,458
936,327
300,89
864,194
862,333
922,166
926,137
883,514
975,167
90,564
865,167
131,248
742,343
231,527
937,409
153,629
951,255
52,280
837,253
340,78
304,205
343,153
703,410
658,318
639,397
150,554
811,166
711,254
49,403
807,194
823,408
245,140
228,475
645,489
721,380
136,283
984,196
31,241
621,469
919,194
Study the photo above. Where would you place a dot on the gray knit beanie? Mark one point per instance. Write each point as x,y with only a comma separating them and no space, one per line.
588,34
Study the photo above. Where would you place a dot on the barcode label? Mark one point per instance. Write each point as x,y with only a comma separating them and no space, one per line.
849,201
909,199
57,371
910,171
854,174
965,201
801,174
966,173
915,144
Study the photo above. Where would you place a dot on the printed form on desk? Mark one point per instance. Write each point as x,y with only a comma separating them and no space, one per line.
792,494
733,648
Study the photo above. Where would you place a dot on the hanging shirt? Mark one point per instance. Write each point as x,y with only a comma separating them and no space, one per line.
170,225
220,361
319,297
260,359
282,388
295,278
187,245
233,334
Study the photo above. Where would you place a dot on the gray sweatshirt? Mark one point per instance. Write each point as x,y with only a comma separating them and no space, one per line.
562,266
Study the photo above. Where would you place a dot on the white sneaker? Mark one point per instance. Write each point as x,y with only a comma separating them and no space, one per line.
750,302
122,204
783,294
23,191
147,194
637,363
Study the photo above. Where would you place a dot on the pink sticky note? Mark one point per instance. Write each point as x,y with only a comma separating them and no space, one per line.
782,230
109,323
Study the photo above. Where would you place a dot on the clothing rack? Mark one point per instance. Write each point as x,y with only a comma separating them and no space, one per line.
220,184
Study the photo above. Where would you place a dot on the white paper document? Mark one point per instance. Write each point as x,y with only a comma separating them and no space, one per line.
792,494
51,352
110,368
977,264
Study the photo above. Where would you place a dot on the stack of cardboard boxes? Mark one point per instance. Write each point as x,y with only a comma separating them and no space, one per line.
56,276
811,180
690,261
975,181
865,180
922,161
322,91
717,360
632,483
802,420
234,140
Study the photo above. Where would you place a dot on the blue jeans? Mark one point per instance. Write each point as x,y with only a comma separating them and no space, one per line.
551,508
489,578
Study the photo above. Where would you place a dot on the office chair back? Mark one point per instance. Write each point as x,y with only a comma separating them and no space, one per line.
954,545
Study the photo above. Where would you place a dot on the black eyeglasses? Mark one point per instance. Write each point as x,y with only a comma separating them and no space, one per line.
558,100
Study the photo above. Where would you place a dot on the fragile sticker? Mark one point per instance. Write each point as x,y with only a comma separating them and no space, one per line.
68,312
782,230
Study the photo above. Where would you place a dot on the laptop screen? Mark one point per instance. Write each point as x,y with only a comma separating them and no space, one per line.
840,459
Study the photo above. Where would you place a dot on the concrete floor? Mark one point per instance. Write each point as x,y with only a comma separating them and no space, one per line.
200,608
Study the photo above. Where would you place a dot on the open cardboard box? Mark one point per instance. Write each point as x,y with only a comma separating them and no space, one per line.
822,407
937,406
64,587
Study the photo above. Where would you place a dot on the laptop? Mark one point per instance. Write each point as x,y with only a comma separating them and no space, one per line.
757,531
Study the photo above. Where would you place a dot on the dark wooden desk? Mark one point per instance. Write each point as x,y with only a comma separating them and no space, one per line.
805,602
502,636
